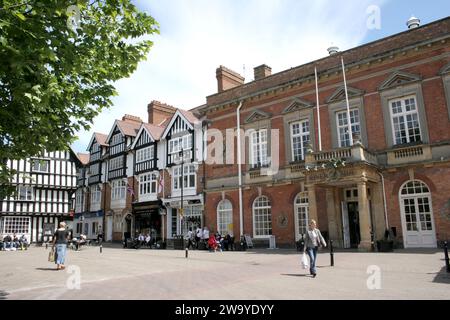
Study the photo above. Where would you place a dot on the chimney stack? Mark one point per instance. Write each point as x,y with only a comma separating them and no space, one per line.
158,112
262,71
130,118
228,79
413,23
333,50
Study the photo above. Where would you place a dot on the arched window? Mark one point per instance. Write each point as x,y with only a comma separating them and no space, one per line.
301,214
416,205
417,215
225,217
262,217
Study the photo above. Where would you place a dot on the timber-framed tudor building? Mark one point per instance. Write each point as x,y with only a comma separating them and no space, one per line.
392,172
45,186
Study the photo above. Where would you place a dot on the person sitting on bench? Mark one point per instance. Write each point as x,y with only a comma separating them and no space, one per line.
7,243
80,242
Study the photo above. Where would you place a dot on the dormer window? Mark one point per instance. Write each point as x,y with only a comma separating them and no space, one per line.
116,139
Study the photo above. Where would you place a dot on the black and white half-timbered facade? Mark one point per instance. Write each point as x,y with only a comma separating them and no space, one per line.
183,144
89,214
120,176
45,186
148,158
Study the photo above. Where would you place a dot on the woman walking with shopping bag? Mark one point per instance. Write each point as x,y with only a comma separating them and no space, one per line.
60,241
313,240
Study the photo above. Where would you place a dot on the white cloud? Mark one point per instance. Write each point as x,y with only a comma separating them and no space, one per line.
199,35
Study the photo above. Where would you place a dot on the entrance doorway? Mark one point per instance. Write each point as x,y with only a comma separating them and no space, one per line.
127,227
417,215
350,219
353,224
149,223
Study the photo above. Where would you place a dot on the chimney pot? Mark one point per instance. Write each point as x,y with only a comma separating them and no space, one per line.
413,23
333,50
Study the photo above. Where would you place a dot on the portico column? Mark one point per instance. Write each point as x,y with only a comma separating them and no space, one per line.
331,213
364,216
312,203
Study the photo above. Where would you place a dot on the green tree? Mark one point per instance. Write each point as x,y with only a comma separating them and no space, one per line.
58,62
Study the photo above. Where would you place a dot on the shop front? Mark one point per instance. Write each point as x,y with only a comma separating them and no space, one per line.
182,218
148,219
88,223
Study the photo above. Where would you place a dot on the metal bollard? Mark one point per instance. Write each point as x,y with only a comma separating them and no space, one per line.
46,245
447,263
101,248
331,253
187,252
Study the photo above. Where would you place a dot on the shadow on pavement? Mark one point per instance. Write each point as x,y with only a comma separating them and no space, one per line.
442,276
47,269
296,275
3,295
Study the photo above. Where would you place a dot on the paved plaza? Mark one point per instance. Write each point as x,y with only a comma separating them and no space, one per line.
263,274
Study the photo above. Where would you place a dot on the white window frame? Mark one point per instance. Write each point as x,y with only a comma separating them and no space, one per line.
79,198
344,126
37,165
191,212
301,134
417,190
116,139
28,193
301,202
404,114
147,183
145,154
96,194
259,148
224,217
17,225
189,174
264,211
115,163
176,144
118,190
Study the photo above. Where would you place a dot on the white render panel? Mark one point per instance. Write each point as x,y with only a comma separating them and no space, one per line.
129,171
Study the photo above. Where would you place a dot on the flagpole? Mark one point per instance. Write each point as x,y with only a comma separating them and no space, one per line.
348,105
318,109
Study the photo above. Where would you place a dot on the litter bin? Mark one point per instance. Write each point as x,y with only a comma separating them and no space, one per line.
272,243
178,243
385,245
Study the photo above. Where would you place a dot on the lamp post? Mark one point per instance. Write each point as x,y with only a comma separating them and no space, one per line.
182,185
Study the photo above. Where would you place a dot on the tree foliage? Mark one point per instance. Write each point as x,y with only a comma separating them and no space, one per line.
58,62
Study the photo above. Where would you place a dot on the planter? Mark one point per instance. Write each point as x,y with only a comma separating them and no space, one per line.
385,246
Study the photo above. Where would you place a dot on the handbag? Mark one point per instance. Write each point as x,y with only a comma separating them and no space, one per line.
51,255
304,261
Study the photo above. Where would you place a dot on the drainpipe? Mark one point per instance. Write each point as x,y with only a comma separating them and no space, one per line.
384,201
241,215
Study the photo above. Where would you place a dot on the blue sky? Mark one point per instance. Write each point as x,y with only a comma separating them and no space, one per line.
199,35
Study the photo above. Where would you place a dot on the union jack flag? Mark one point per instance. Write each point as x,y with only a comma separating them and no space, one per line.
161,183
130,190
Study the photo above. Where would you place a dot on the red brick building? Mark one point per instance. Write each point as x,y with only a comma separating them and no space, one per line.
393,172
